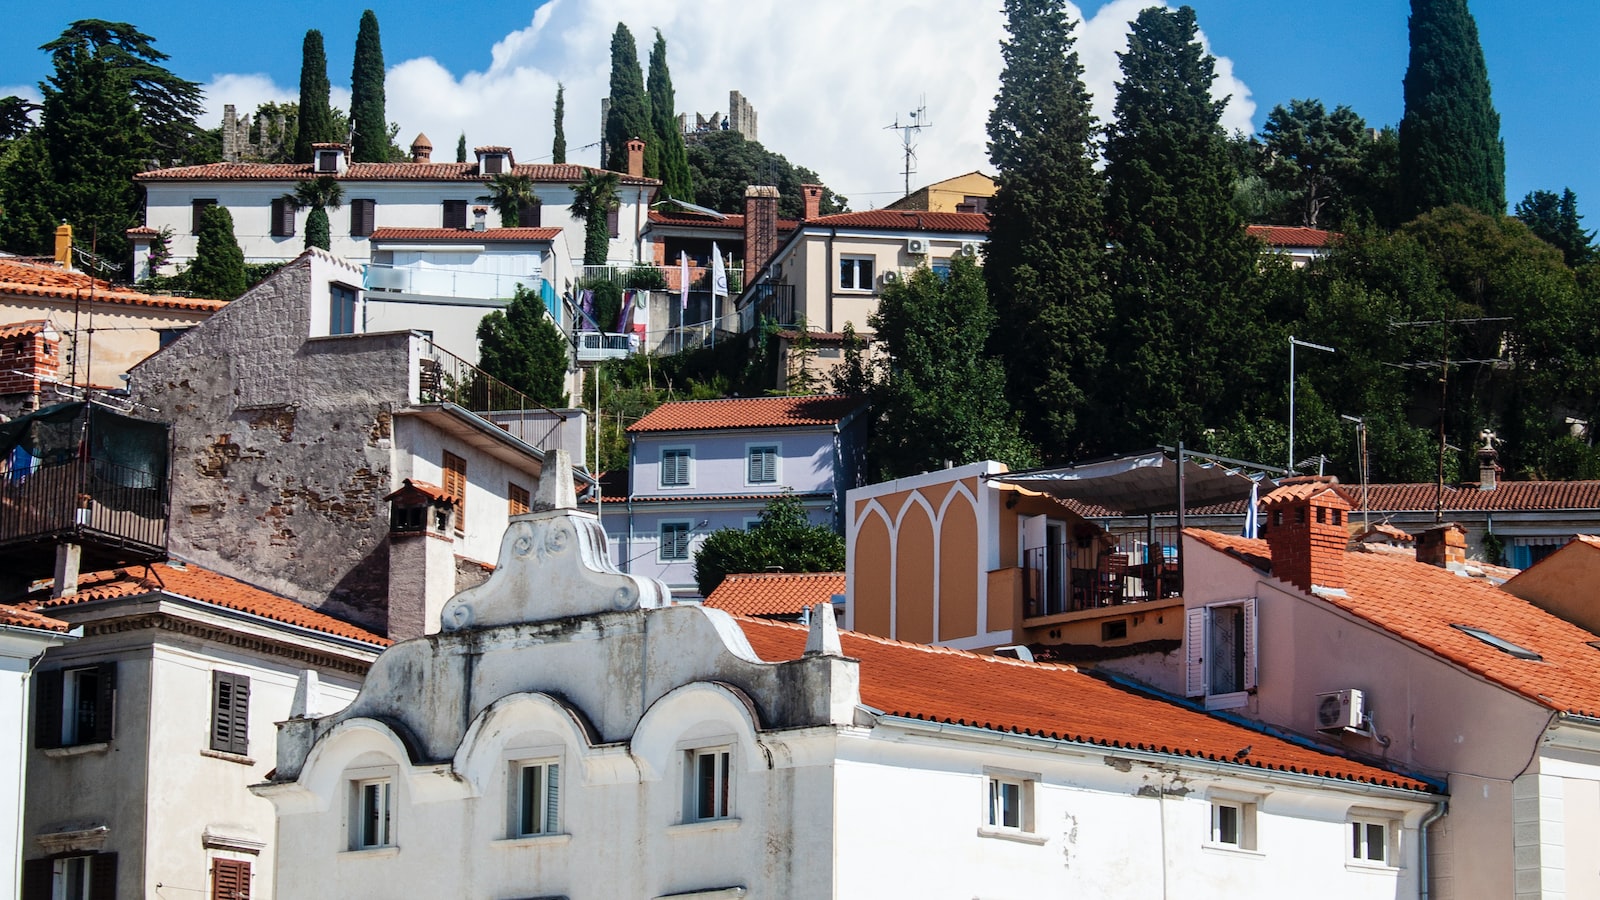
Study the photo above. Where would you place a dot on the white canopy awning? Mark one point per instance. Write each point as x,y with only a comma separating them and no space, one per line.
1145,483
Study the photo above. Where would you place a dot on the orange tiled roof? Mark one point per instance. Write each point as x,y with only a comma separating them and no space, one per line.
1419,603
748,412
1283,236
1507,495
1054,701
17,617
734,221
465,235
461,172
18,329
206,586
36,280
906,220
775,593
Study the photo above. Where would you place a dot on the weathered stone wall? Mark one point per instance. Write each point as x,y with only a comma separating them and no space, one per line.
283,446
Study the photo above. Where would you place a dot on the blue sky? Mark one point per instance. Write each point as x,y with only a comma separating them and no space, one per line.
825,82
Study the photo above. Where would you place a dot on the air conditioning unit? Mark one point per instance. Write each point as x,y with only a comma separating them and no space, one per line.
890,277
1339,710
969,248
917,246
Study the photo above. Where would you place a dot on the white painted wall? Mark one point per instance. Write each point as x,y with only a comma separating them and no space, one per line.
19,647
419,454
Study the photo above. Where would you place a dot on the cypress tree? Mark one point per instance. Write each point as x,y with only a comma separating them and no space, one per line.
316,113
218,268
674,158
523,348
461,148
366,95
1450,147
629,116
1181,260
27,196
1043,255
558,147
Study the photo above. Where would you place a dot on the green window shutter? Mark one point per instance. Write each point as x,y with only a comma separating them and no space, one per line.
105,707
47,700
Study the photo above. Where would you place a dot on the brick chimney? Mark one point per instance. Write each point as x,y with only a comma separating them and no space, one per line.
1444,546
64,246
636,158
813,197
760,228
29,352
421,149
1304,523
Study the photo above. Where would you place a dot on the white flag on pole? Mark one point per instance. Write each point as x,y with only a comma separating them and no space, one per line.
683,280
719,275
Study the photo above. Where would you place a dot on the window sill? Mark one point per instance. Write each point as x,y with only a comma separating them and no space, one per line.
77,750
727,824
373,852
223,755
1371,868
1231,850
1228,701
535,840
1013,834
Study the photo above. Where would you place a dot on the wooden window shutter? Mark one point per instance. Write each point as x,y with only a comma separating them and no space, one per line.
198,208
230,879
455,486
363,217
103,876
230,713
282,218
38,877
47,700
517,497
1249,641
529,215
613,221
1194,652
105,704
455,214
493,163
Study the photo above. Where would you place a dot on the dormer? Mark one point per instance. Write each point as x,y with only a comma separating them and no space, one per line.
330,159
420,508
494,161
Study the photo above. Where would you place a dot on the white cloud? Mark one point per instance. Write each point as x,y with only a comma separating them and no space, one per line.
824,83
28,92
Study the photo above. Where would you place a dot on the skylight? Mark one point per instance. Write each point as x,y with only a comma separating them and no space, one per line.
1499,643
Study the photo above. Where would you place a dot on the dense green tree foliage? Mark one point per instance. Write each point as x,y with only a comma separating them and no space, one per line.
629,114
676,180
319,194
784,537
372,141
722,164
167,104
316,111
1555,219
943,397
27,196
593,199
522,347
461,148
1180,264
218,268
16,118
558,145
1045,241
1314,156
508,194
1450,147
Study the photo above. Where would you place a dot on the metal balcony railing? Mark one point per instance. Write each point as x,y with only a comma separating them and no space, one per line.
770,302
1063,578
85,501
443,377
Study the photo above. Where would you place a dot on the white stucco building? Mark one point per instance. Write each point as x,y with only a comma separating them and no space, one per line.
570,734
24,636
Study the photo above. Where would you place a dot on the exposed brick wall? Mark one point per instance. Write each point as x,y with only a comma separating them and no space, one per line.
1308,534
25,359
760,228
1444,546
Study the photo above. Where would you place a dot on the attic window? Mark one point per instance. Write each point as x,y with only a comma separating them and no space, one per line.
1499,643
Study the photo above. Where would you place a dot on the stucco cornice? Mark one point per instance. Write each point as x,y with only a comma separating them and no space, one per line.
158,621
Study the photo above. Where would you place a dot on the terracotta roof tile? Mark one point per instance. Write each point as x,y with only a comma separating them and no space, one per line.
35,280
206,586
734,221
1421,603
465,235
461,172
1281,236
1507,495
752,412
1054,701
18,329
774,593
17,617
700,498
906,220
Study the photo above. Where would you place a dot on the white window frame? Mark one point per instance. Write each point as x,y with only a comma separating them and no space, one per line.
855,261
688,467
1358,846
61,877
1242,809
1197,640
720,760
380,789
751,449
661,540
1004,789
547,798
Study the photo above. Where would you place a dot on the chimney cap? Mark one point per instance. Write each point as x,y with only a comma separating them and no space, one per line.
760,190
421,142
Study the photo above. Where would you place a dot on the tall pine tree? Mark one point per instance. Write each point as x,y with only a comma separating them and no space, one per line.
1043,255
167,104
366,95
674,158
629,116
1180,260
1450,147
558,146
316,112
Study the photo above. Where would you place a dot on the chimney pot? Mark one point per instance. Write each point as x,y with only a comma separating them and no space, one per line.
1488,469
636,158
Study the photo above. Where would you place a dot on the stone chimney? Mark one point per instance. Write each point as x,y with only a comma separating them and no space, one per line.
1444,546
760,228
636,158
813,197
421,149
64,246
1488,468
1304,524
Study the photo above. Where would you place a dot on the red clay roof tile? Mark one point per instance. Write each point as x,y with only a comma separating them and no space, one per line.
17,617
906,220
36,280
18,329
751,412
774,593
1282,236
1054,701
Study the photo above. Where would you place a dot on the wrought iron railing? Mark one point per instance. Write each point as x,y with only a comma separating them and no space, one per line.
1063,578
444,377
770,302
84,500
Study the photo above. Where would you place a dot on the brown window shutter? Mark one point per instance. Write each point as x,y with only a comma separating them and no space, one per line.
105,705
455,214
103,876
230,879
282,217
240,715
230,712
47,700
517,497
613,221
530,215
38,877
363,217
455,486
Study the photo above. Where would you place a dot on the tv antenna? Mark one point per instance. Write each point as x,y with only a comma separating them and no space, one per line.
908,130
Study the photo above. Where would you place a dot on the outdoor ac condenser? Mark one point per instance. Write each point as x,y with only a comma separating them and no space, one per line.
1338,710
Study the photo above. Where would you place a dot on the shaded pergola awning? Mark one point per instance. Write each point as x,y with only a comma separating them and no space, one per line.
1145,483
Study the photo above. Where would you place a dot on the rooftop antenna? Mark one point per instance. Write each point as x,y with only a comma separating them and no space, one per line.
1361,440
917,122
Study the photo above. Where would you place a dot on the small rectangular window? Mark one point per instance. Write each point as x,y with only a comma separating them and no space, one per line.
197,209
455,214
1233,823
856,273
75,706
341,309
1008,803
537,801
675,468
763,465
283,217
614,221
230,713
674,541
1369,841
230,879
516,498
708,788
327,161
165,336
363,217
529,215
493,164
372,814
